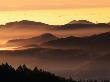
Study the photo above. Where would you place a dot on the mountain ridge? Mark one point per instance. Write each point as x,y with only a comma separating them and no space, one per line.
33,40
71,25
89,41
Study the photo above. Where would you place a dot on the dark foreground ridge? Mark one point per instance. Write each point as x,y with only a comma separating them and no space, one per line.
24,74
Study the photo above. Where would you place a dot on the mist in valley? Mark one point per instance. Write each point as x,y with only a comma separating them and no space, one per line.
81,53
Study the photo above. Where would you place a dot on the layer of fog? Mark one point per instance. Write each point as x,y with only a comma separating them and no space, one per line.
15,33
77,64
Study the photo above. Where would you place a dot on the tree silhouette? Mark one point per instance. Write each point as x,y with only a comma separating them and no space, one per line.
24,74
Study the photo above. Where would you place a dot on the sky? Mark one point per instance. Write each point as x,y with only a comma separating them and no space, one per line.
51,4
54,11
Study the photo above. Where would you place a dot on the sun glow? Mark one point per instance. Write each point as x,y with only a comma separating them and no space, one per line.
7,48
3,42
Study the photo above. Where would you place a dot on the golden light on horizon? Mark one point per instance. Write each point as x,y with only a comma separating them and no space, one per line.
57,16
7,48
54,11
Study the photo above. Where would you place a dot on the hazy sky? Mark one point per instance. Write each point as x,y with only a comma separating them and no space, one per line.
54,11
51,4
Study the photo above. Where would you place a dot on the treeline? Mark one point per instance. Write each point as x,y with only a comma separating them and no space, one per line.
24,74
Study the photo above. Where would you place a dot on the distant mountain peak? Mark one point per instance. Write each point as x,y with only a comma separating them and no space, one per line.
80,22
33,40
47,35
99,41
25,22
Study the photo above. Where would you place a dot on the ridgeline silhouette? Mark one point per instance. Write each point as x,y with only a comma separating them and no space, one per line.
34,40
99,41
71,25
24,74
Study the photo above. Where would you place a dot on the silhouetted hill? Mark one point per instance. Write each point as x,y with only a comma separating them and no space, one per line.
83,26
94,42
24,74
34,40
100,41
79,64
80,22
45,37
26,24
39,25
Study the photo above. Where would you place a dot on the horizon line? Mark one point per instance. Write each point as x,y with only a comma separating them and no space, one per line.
55,24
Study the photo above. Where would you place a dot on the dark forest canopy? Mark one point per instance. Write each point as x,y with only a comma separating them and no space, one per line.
24,74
